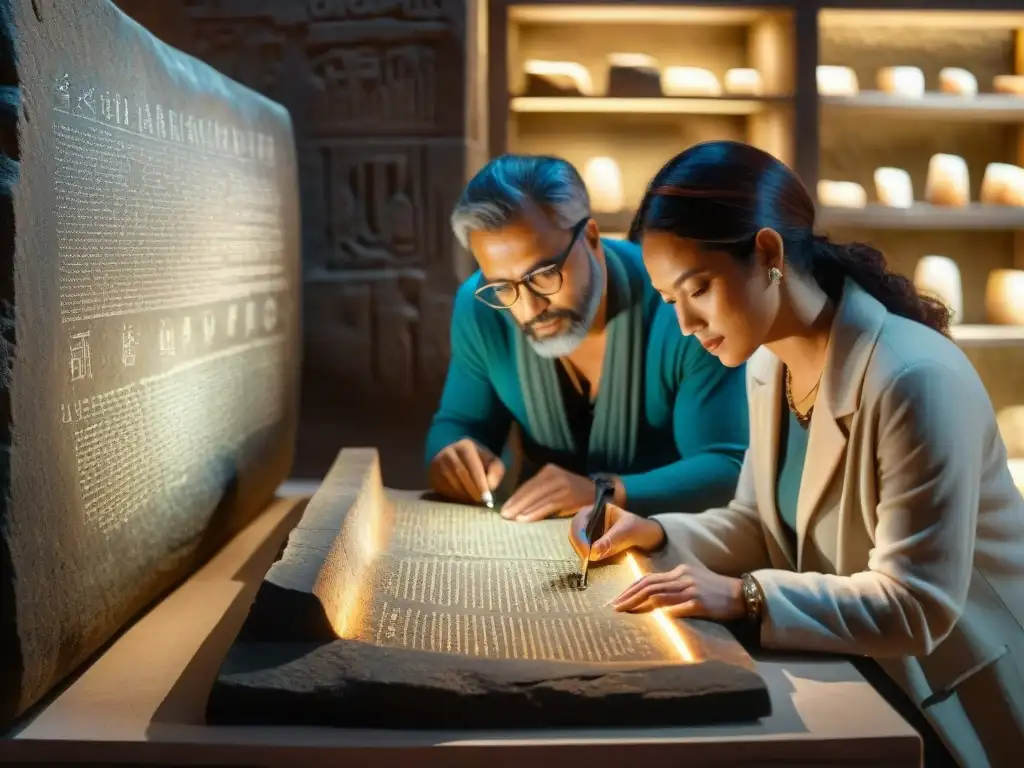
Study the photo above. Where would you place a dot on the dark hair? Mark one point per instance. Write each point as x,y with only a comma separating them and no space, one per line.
722,193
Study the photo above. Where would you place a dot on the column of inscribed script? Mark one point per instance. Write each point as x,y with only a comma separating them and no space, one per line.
459,579
173,287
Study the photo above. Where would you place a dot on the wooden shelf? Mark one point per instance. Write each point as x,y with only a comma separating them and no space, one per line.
627,13
988,335
924,216
723,105
985,107
960,16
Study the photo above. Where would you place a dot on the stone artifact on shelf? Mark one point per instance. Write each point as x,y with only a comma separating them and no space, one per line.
1003,184
388,610
1004,297
151,260
894,188
1010,421
557,78
743,81
939,276
633,76
958,81
603,180
1009,84
902,81
690,81
836,81
948,183
841,194
1017,473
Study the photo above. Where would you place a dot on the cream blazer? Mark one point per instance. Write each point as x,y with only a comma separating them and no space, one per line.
910,531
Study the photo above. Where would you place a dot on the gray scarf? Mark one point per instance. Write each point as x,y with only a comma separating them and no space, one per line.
619,403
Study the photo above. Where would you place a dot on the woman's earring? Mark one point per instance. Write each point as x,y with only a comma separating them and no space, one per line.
774,276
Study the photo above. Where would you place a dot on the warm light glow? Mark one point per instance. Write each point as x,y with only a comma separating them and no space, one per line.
359,550
343,584
667,624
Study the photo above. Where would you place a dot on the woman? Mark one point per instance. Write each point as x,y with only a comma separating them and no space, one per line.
875,514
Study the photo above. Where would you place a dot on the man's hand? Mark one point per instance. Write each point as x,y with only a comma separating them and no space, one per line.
622,530
552,492
465,471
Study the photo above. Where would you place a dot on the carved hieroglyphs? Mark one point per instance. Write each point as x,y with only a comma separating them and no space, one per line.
152,275
377,92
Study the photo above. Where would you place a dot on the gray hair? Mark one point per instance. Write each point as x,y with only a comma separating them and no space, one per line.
497,195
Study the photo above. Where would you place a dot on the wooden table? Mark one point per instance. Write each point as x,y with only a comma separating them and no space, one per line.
142,702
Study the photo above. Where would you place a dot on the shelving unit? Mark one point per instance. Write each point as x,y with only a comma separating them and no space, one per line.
821,137
873,129
579,127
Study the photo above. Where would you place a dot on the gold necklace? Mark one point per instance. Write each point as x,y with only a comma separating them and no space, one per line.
802,418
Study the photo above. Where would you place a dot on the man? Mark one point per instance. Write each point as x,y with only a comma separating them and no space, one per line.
561,332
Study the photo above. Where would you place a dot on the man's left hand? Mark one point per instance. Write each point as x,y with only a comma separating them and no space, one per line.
552,492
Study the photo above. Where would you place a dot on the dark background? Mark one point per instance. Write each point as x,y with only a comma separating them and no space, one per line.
378,96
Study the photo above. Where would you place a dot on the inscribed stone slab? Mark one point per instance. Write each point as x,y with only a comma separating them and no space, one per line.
392,611
149,266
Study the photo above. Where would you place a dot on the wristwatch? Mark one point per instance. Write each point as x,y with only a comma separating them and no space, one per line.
753,598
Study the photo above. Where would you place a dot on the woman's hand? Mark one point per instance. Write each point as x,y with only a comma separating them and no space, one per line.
622,530
686,591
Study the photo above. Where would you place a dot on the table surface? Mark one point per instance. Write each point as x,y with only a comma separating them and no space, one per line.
143,701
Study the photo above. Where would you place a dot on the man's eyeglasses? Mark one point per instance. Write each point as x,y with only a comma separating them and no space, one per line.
545,280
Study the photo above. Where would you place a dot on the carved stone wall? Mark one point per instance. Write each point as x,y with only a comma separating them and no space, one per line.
377,90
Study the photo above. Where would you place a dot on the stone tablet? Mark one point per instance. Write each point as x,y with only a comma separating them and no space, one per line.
386,610
149,289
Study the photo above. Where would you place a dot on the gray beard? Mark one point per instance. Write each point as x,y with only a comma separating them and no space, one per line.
566,342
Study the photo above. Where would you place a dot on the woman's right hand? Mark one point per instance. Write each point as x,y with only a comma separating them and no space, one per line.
622,530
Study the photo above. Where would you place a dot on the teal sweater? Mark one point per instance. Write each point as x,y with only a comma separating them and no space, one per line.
693,431
792,454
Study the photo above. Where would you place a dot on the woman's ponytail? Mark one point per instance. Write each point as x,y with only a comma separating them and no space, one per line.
832,263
